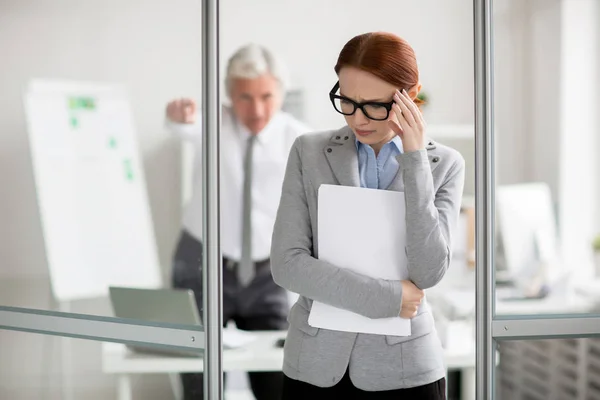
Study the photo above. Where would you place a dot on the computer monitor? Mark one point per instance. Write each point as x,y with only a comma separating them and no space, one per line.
527,229
174,306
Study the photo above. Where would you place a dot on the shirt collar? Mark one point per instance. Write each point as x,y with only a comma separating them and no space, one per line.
264,135
396,140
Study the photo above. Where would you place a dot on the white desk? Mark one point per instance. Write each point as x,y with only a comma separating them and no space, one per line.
553,304
259,355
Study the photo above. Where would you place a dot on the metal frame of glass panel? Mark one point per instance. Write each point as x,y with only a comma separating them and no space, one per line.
212,258
107,329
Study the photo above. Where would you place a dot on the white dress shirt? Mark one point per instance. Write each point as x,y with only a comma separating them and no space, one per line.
271,152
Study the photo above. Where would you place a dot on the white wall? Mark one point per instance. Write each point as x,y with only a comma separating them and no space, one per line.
510,61
579,104
310,34
527,82
597,122
542,99
154,47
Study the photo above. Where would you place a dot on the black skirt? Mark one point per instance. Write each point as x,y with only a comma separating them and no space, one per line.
298,390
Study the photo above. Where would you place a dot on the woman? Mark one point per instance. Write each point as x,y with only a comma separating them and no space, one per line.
383,146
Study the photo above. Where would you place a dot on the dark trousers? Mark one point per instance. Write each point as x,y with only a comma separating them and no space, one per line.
344,389
261,306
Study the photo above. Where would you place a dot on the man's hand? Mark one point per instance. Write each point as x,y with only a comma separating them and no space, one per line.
411,299
182,111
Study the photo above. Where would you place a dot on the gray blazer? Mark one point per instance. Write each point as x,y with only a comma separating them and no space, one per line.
432,181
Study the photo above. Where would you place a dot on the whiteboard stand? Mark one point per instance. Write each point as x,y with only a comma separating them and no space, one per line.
66,358
48,348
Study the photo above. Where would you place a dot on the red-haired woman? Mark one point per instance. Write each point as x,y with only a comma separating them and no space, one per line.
384,146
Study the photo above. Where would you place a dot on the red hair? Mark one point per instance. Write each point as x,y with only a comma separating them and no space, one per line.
384,55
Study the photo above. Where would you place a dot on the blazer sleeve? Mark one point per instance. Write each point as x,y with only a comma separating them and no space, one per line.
431,217
294,267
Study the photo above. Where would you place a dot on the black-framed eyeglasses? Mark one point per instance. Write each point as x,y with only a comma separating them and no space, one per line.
375,110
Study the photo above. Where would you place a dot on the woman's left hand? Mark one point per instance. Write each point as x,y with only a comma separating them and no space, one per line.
410,125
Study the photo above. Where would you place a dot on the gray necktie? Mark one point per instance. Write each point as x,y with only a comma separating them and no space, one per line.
246,267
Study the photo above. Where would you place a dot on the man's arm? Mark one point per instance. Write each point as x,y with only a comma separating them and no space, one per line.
182,119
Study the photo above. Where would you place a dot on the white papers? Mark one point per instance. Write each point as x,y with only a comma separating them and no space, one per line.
363,230
234,338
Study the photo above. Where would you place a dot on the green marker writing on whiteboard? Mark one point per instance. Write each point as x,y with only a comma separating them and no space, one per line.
128,169
82,103
77,104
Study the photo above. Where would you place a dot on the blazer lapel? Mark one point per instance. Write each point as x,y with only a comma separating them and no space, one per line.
434,160
342,157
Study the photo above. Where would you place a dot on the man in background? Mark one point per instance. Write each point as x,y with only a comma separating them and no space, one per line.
256,137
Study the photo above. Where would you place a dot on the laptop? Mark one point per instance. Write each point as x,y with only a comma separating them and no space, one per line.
176,306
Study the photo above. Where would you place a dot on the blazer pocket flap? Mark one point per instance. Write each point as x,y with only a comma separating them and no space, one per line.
298,318
309,330
420,325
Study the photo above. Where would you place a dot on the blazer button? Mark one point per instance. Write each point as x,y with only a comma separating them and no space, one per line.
436,159
329,150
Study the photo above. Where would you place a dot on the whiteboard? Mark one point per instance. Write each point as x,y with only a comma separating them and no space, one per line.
91,189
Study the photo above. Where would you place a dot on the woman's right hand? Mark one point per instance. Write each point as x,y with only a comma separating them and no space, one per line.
411,299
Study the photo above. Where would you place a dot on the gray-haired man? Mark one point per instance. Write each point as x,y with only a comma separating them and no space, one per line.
256,137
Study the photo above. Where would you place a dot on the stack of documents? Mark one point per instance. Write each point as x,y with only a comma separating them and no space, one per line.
363,230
